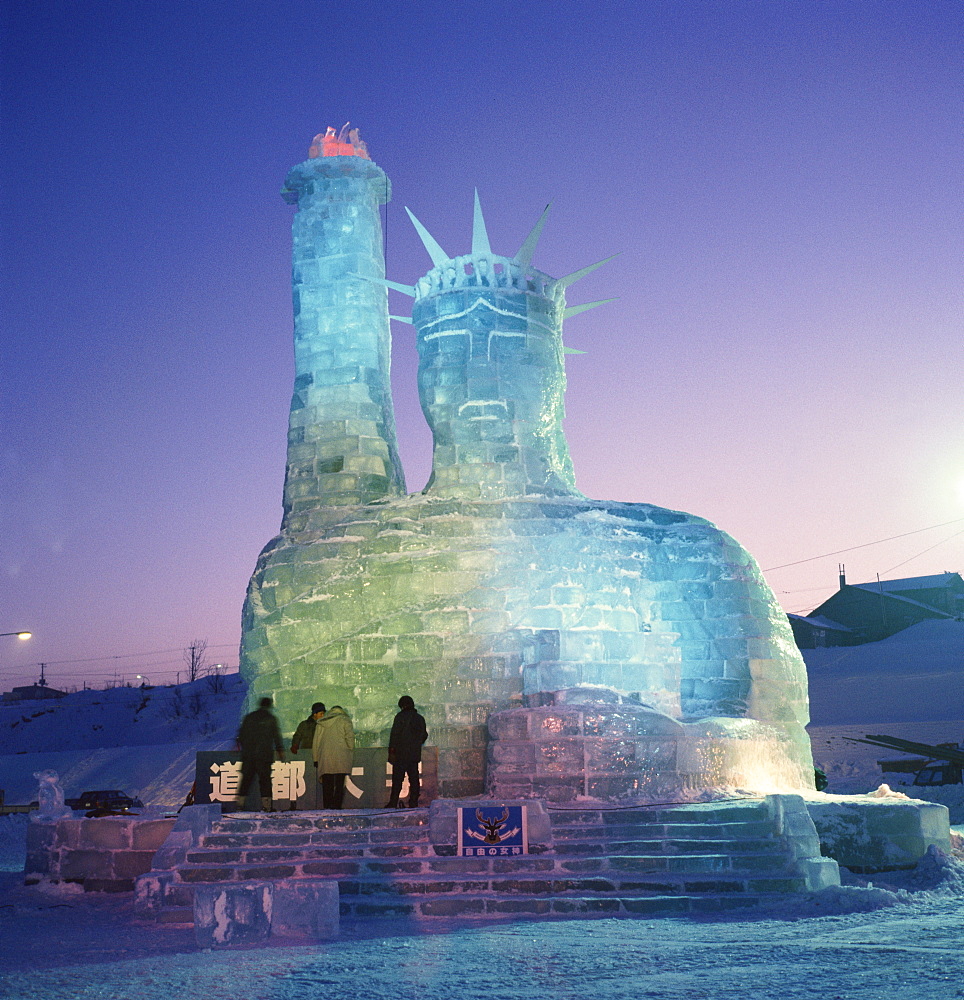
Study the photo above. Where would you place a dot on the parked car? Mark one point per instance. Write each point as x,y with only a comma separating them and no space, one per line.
943,765
104,799
938,772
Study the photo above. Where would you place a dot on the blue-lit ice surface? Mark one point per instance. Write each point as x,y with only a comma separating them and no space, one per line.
557,645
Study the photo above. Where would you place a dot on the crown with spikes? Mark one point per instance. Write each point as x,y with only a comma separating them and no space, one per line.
482,265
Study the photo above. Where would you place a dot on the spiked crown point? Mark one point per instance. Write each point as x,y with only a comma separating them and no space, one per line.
514,271
438,255
480,237
524,257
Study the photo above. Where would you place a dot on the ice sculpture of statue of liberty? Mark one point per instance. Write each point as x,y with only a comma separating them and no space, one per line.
558,646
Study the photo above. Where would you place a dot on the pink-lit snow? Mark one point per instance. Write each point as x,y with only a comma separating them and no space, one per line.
893,936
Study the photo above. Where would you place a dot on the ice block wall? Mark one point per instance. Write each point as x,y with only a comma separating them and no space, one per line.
606,640
341,432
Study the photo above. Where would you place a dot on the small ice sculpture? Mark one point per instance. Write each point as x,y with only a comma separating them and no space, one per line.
50,797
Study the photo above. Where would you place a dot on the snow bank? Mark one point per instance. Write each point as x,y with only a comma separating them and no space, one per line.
142,741
911,676
123,717
13,841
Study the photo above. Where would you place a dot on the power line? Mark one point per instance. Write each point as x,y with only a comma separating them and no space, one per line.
122,656
880,541
161,666
912,558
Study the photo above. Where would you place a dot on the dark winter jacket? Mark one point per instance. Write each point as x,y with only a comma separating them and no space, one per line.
304,735
408,735
259,734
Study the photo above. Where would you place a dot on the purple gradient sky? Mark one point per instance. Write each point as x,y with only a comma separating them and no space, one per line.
783,178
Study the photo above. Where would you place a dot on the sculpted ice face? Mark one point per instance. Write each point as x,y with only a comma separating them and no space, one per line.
491,378
491,372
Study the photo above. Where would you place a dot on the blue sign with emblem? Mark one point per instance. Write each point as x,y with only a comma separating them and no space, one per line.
493,831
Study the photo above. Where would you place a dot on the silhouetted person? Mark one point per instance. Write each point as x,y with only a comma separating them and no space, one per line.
405,751
259,738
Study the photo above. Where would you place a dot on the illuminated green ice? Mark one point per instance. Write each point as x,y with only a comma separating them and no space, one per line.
500,588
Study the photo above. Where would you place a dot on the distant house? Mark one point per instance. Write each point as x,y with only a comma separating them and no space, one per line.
869,612
815,632
32,692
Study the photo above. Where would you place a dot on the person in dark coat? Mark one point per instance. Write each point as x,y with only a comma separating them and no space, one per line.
259,738
405,751
304,736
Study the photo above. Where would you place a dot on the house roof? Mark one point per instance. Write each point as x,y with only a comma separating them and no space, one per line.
819,621
29,692
871,588
932,582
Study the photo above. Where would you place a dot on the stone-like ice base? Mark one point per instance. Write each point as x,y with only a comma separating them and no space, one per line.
882,831
253,911
621,752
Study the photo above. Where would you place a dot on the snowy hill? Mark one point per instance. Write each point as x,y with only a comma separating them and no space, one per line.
913,676
123,717
143,741
140,740
910,685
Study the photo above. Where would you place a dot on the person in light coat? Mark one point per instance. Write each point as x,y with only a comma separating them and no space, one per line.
332,750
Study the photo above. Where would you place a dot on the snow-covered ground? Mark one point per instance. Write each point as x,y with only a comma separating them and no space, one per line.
123,716
853,768
139,740
13,841
916,675
899,936
910,685
850,944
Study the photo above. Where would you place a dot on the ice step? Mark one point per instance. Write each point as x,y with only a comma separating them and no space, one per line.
395,859
666,845
491,908
324,838
245,854
200,863
664,831
716,878
681,835
393,909
700,813
517,884
403,858
255,833
321,819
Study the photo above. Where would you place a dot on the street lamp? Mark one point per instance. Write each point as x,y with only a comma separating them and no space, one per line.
19,635
144,679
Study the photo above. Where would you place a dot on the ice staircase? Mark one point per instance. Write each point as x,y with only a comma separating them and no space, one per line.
646,861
